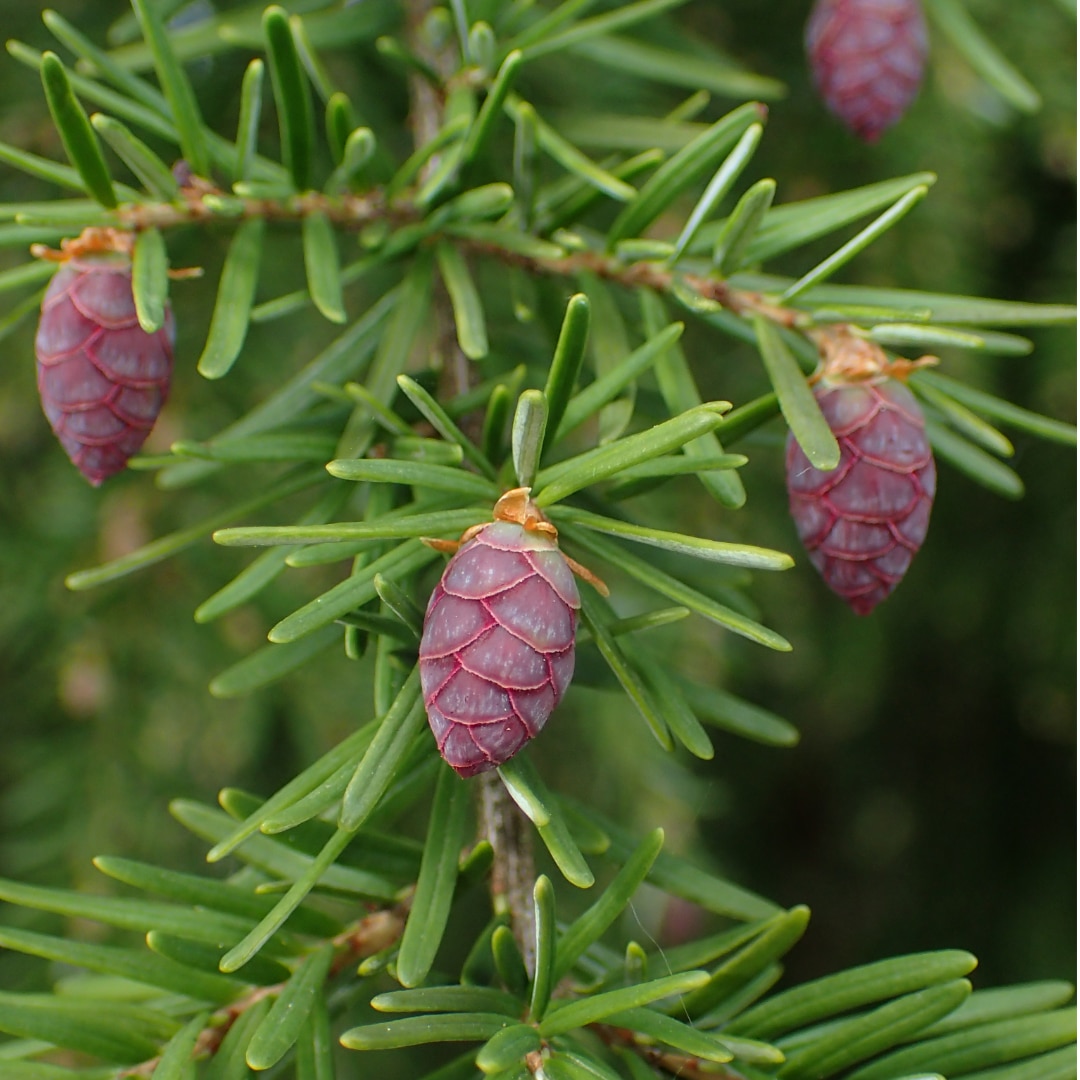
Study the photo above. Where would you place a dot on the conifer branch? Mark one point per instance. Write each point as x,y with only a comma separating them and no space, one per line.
618,381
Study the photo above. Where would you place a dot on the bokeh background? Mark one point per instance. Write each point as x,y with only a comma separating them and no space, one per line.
931,800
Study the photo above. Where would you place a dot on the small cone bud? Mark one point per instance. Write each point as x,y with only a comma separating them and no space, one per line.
863,522
867,58
497,653
101,377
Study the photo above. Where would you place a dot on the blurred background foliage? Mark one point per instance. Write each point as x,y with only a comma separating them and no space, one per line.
931,800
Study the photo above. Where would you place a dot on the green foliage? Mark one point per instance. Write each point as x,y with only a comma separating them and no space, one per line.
417,416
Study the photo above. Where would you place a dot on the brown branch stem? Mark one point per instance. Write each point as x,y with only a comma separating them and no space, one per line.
656,276
364,938
426,103
354,212
671,1062
513,870
345,210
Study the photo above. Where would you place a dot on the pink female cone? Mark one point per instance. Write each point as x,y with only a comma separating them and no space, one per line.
101,377
863,522
497,653
867,58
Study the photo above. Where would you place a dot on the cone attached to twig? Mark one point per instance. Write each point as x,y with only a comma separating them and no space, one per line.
497,653
863,521
102,378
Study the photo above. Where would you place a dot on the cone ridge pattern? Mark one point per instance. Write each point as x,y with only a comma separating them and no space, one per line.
867,58
497,652
102,378
863,521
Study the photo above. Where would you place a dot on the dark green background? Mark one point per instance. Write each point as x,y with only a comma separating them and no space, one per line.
931,801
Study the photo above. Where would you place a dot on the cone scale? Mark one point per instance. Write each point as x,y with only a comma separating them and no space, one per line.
863,522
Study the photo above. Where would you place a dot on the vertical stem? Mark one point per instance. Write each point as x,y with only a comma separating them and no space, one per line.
426,100
513,871
425,120
501,823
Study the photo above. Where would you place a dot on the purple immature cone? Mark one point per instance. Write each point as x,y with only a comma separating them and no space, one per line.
101,377
863,522
867,59
497,652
